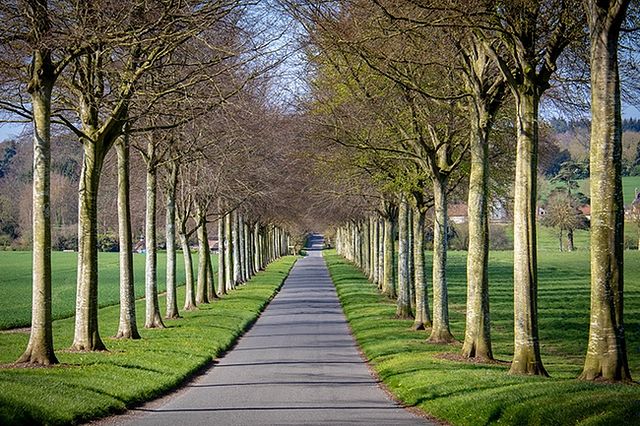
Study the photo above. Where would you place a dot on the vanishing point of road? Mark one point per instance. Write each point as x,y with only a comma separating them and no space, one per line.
297,365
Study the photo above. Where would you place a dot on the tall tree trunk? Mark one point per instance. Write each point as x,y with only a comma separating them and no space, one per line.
235,235
606,352
190,294
201,292
477,336
440,332
381,249
410,259
222,248
403,309
127,327
247,251
40,347
153,319
423,314
256,247
526,357
170,231
211,287
228,253
86,335
240,239
389,283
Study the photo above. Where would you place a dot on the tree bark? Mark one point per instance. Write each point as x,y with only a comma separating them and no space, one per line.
228,253
127,327
389,284
440,332
570,245
606,352
40,347
222,249
211,286
170,231
477,336
201,292
86,335
403,309
423,314
526,357
153,319
190,295
235,235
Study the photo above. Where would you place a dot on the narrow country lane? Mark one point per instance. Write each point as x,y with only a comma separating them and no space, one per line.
297,365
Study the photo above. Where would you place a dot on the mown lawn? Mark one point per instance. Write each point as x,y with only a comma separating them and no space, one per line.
629,185
15,283
426,376
90,385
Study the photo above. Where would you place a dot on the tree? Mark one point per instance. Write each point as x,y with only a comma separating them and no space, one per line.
42,73
403,310
606,353
525,39
127,326
562,212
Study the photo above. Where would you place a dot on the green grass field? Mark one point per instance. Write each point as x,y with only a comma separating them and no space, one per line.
86,386
428,376
15,283
629,185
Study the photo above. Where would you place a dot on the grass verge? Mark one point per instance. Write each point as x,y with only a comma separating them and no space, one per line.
91,385
432,378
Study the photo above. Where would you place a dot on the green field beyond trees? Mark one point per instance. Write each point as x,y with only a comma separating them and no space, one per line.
438,380
88,385
15,285
629,186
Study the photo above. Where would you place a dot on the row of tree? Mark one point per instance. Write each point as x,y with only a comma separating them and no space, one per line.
414,98
182,83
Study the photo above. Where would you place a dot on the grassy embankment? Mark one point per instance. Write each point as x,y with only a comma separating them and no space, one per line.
15,283
90,385
432,378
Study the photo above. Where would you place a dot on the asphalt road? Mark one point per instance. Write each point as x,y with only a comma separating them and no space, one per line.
297,365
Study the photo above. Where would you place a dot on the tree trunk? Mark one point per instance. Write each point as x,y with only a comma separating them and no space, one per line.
228,253
423,314
477,336
86,335
170,231
235,235
389,284
440,332
201,292
606,352
410,260
222,248
40,347
560,238
190,295
526,357
211,287
256,247
403,309
153,319
127,327
381,247
570,245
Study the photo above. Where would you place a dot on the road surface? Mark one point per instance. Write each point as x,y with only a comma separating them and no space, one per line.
297,365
